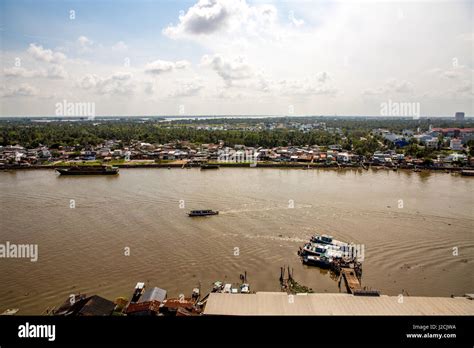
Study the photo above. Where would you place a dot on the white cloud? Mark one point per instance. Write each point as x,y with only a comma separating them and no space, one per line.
391,86
45,55
226,94
89,81
307,86
399,86
238,73
205,17
149,88
161,66
120,46
296,22
53,72
56,72
187,89
322,76
208,17
85,43
229,69
23,90
22,72
117,83
465,89
454,73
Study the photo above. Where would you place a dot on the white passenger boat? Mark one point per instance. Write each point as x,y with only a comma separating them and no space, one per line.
326,239
319,261
316,249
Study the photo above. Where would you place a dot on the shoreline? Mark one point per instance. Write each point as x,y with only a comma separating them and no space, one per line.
304,166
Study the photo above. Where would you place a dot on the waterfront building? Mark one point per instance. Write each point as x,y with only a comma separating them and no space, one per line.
277,303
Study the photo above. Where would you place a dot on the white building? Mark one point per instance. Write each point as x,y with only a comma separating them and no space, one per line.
429,141
380,131
455,144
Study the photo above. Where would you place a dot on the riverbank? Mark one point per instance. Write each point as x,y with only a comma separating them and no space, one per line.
278,165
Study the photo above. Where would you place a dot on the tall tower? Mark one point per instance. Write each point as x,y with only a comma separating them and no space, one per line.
459,116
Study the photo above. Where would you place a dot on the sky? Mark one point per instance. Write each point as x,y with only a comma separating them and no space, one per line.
237,57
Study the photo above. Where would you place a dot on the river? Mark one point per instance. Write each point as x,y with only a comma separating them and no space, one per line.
416,229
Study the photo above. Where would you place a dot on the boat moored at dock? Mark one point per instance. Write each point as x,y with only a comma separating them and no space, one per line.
231,288
318,250
138,292
325,252
326,239
318,261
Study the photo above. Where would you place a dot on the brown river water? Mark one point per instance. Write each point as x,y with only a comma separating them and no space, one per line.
265,215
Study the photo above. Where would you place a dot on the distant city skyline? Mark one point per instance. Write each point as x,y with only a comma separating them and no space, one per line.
236,57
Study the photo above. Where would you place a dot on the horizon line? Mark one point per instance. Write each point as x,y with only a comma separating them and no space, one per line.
227,116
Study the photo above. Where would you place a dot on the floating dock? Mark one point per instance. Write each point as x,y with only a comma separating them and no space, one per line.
351,280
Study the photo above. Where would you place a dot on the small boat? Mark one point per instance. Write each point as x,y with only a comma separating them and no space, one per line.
312,249
10,311
209,166
202,213
88,170
234,289
138,292
227,288
329,251
245,288
218,286
196,294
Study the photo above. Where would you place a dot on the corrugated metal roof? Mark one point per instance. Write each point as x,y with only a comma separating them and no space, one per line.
155,294
271,303
96,305
150,306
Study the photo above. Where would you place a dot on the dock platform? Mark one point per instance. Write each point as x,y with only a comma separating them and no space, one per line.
351,280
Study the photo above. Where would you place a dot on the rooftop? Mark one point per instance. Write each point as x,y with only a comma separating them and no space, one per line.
278,303
95,306
155,294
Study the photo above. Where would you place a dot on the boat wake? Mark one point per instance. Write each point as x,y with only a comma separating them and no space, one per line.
274,238
239,211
